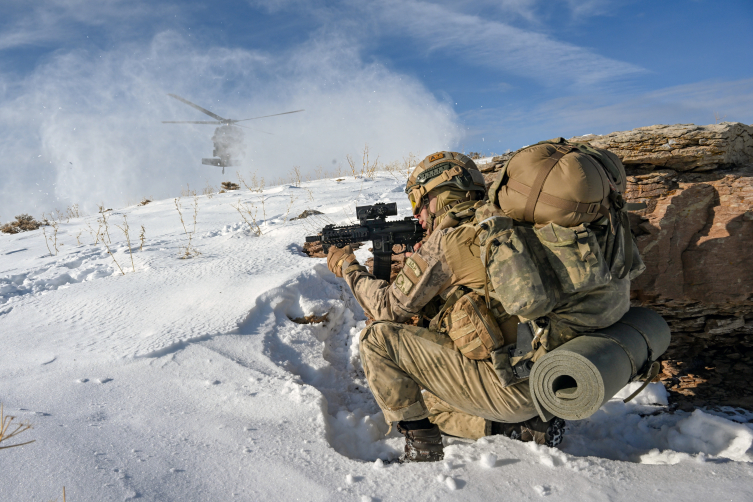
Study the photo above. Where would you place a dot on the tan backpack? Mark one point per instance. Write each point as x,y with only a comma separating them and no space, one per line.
560,184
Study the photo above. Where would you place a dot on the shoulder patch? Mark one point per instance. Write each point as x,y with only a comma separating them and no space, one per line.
436,156
414,267
403,283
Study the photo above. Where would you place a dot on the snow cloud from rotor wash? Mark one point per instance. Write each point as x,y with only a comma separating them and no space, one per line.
85,127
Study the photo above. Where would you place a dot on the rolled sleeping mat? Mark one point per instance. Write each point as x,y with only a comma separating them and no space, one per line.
578,377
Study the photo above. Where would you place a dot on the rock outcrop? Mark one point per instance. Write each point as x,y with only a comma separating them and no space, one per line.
682,147
696,237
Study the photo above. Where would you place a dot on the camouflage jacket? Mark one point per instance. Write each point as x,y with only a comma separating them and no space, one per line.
425,275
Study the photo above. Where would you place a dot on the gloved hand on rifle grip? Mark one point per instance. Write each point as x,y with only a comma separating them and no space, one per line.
337,256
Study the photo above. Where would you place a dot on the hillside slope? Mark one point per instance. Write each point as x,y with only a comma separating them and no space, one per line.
188,380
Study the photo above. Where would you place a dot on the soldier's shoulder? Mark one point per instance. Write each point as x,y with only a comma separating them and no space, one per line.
434,245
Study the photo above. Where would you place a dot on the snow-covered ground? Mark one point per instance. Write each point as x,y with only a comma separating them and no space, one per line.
187,380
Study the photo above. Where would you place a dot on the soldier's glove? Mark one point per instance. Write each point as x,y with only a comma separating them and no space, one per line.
337,256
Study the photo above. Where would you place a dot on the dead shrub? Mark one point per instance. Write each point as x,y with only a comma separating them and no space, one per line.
310,319
23,223
229,185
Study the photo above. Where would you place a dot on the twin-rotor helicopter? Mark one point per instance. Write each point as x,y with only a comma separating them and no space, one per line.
229,148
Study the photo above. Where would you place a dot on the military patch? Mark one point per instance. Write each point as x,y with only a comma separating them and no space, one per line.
436,156
403,283
414,267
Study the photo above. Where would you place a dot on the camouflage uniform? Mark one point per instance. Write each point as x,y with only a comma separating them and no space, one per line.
462,395
400,360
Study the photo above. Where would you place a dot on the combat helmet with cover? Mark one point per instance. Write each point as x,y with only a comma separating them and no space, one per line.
451,176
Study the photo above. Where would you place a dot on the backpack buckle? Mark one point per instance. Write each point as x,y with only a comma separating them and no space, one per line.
593,207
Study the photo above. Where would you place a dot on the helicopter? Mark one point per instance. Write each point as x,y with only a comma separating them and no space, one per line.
229,148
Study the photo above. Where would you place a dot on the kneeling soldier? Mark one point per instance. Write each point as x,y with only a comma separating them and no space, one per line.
461,396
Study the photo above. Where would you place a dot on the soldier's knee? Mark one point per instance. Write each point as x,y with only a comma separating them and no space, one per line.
377,335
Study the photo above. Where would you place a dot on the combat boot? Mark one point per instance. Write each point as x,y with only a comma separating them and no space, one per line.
422,445
546,433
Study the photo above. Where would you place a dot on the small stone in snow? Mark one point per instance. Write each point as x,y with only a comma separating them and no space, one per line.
542,490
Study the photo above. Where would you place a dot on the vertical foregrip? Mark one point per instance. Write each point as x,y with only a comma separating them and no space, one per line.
383,265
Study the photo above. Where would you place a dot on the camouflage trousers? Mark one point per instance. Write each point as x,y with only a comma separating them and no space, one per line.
462,396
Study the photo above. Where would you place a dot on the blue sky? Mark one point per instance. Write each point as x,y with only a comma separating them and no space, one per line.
83,83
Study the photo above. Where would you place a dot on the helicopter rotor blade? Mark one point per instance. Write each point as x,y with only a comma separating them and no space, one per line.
193,105
265,116
255,130
191,122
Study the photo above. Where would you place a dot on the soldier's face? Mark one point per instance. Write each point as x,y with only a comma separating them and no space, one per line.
423,216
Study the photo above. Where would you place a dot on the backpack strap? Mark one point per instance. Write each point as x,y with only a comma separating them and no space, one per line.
538,184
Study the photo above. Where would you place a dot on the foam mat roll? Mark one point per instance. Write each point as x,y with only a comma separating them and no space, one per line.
577,378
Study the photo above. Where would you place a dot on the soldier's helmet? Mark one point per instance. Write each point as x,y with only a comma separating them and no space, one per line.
443,170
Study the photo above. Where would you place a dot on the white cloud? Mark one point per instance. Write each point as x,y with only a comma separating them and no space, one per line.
485,33
502,46
39,23
85,127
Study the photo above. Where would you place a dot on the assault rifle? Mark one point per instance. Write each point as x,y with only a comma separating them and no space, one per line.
374,227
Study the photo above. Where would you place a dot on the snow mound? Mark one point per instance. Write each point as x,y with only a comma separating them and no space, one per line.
642,431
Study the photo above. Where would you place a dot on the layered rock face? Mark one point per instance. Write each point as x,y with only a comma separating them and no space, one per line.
696,237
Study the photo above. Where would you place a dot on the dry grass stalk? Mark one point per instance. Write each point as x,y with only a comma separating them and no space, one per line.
146,200
142,238
352,165
296,176
103,224
91,231
189,251
54,238
73,211
125,229
186,192
5,429
255,185
290,205
368,168
248,216
78,239
209,190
